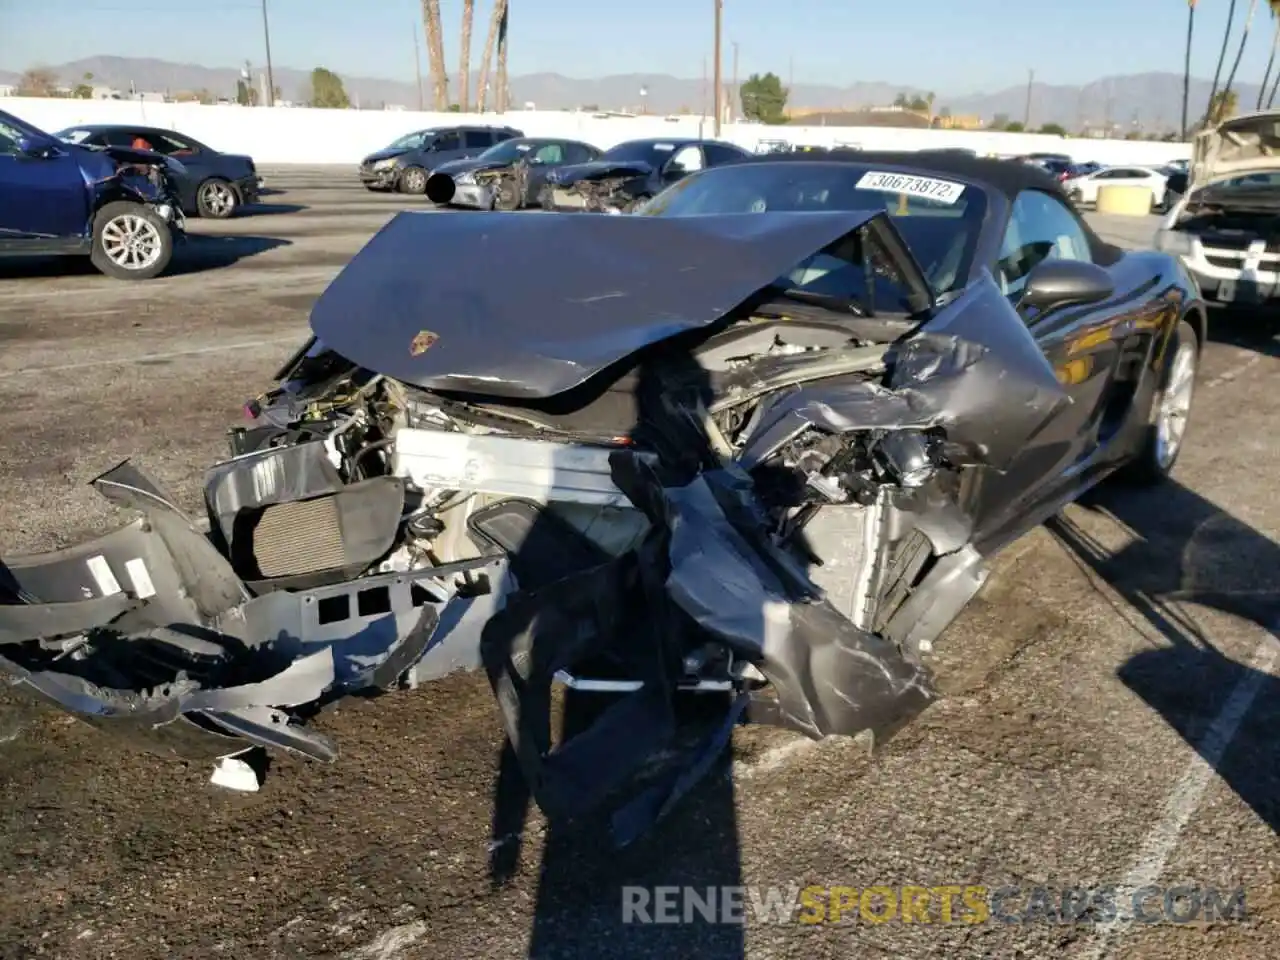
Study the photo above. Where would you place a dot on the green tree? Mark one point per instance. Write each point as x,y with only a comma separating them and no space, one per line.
1015,127
764,99
246,94
327,90
901,100
1054,129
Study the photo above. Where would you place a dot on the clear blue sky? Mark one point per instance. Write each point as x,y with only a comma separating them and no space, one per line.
952,46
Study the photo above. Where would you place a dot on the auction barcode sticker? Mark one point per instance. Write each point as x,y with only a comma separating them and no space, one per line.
942,191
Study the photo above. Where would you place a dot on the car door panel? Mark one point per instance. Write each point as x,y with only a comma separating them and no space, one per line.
1084,344
42,199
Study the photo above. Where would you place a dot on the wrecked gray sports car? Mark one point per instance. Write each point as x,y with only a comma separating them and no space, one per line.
756,443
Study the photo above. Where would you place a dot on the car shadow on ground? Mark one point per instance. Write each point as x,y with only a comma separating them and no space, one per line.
1250,328
1186,550
587,873
197,253
201,252
270,209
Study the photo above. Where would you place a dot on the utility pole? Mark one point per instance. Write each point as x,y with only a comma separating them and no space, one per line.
791,76
735,98
266,37
1026,113
417,69
702,106
716,70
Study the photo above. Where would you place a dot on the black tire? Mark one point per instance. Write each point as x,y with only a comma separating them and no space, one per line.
216,199
1157,452
112,227
412,180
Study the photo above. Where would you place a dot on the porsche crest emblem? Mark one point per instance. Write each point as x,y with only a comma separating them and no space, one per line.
423,342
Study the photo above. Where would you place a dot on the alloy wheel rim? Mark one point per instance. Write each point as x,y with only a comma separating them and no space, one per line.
416,180
131,242
217,198
1175,405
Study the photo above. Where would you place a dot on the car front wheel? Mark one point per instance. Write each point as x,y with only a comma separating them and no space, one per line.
1170,410
216,200
413,180
130,241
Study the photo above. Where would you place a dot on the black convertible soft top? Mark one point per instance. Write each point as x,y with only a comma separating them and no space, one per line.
1008,177
1005,177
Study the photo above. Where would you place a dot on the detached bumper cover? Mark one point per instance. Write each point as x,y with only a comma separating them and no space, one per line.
251,668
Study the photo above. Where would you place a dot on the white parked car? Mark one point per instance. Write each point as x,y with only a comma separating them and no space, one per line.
1083,190
1223,227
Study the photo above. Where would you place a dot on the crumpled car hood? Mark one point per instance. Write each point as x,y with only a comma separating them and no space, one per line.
470,165
1247,144
577,293
597,169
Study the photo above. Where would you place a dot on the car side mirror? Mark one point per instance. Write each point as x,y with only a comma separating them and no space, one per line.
36,149
1057,283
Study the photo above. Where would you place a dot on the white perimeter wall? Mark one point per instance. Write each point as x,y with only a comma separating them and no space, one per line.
283,135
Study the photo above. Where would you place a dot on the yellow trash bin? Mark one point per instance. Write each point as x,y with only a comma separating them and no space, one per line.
1126,201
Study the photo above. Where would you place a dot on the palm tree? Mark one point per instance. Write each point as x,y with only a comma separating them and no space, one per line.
1244,38
504,89
1186,67
1222,54
464,56
495,23
1274,6
435,53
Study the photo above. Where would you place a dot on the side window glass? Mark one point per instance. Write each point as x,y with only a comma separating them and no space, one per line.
717,154
550,153
447,141
1040,228
9,137
478,138
687,160
581,154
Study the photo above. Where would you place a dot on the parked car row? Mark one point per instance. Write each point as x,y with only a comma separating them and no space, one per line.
499,168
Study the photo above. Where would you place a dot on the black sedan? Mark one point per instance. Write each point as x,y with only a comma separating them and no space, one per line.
630,173
761,437
216,185
508,176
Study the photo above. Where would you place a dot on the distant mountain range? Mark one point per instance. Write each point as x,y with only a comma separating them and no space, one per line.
1152,100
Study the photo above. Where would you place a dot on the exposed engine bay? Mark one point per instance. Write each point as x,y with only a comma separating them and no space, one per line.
606,191
765,505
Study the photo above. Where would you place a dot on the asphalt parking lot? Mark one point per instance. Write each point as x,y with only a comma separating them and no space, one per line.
1112,715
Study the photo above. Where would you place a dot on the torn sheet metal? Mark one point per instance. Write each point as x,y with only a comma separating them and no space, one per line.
704,571
195,646
975,371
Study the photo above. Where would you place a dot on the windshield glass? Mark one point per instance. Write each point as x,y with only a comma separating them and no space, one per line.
1250,181
411,141
939,219
652,152
508,151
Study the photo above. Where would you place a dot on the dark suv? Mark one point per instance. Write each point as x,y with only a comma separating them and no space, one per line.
406,164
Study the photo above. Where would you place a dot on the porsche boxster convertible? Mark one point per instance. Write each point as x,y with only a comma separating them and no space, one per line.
754,445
